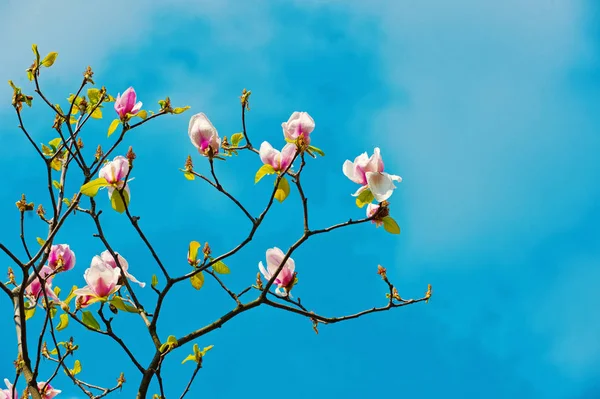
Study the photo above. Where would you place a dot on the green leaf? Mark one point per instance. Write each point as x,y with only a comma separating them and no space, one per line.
197,280
142,114
30,312
189,175
53,311
40,241
154,282
180,110
88,319
66,201
390,225
364,198
94,95
193,251
262,172
283,190
29,75
113,126
97,114
122,305
48,61
47,151
116,201
55,143
56,184
64,322
56,291
317,150
221,268
91,188
236,138
72,120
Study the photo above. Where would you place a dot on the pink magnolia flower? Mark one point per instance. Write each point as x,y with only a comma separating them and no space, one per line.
285,277
61,258
101,280
34,289
125,104
368,172
49,392
299,125
109,260
278,160
204,135
8,393
371,210
115,172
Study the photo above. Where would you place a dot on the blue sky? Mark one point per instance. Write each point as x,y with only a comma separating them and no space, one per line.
488,110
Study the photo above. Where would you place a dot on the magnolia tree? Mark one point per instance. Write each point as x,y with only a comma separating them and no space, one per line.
109,288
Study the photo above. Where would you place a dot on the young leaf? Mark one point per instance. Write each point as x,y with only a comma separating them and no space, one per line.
197,280
364,198
142,114
206,349
179,110
262,172
35,51
91,188
116,201
283,190
390,225
189,175
71,295
56,164
236,138
56,291
47,151
40,241
97,114
56,184
88,319
64,322
221,268
113,126
193,252
122,305
317,150
30,312
76,368
94,95
55,143
188,358
154,282
72,120
49,59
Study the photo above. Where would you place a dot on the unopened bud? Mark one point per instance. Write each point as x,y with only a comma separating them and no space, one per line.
259,281
87,74
79,143
113,308
130,155
121,380
396,295
99,153
41,212
244,99
206,250
382,272
11,276
189,166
